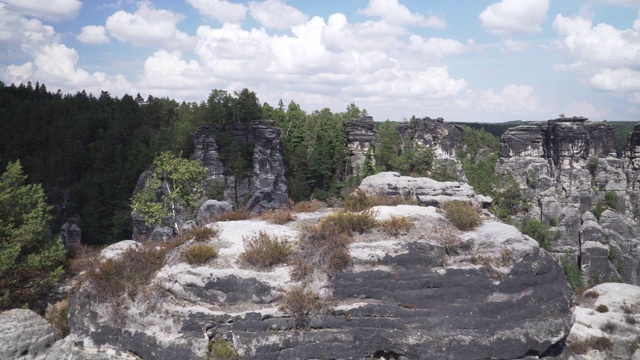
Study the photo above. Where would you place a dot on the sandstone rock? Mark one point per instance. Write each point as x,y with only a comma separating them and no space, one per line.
361,137
443,138
114,251
427,191
71,235
211,208
24,335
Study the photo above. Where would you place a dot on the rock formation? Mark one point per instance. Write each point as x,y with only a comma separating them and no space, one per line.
443,138
568,170
361,138
431,293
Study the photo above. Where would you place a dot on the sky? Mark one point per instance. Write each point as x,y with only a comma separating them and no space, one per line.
463,60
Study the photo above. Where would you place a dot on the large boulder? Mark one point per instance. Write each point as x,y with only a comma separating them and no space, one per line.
24,334
431,293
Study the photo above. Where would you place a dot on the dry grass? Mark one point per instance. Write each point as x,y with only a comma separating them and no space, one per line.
396,225
446,235
233,215
609,327
602,308
58,316
308,206
199,254
349,222
361,200
201,233
462,215
600,343
265,251
277,216
300,303
324,248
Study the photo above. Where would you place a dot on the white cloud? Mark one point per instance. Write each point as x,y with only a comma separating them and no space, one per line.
20,37
627,3
620,79
55,10
586,109
514,16
391,12
512,99
276,14
221,10
514,46
149,27
93,34
435,47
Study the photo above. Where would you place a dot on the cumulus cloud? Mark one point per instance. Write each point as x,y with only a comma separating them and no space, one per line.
391,12
148,27
93,34
514,46
435,47
512,99
586,109
20,36
621,79
514,16
276,14
221,10
55,10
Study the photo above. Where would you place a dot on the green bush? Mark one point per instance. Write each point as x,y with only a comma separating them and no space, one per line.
572,272
462,215
592,166
220,349
395,225
265,251
539,231
349,222
598,210
611,199
199,254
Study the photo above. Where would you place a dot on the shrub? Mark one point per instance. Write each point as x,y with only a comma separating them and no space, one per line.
58,316
278,216
349,222
609,327
579,347
265,251
324,248
539,231
308,206
201,233
445,234
462,215
395,225
360,200
300,303
592,166
601,343
572,272
611,199
220,349
215,190
126,274
602,308
591,294
199,254
630,320
628,308
598,210
233,215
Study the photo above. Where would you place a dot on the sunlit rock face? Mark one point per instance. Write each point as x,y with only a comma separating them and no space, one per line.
565,167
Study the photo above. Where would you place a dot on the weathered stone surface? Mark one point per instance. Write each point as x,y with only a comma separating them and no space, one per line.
442,137
211,208
410,297
70,234
427,191
24,334
361,137
269,185
114,251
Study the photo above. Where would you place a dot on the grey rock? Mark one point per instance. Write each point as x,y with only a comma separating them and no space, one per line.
211,208
71,235
443,138
361,137
24,335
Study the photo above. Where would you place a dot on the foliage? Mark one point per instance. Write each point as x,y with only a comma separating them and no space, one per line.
349,222
598,210
233,215
278,216
611,199
395,225
171,190
602,308
572,271
308,206
58,317
478,156
199,254
220,349
539,231
215,190
324,248
592,165
30,258
462,215
201,233
300,303
264,251
359,200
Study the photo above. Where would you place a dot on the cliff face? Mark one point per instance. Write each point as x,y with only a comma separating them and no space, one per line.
442,137
566,168
265,188
361,138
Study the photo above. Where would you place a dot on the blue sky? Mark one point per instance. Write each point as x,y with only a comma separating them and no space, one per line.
464,60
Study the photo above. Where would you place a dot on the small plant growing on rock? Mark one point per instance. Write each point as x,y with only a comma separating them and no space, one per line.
201,233
462,215
630,320
572,271
199,254
58,316
233,215
609,327
628,308
321,247
300,303
539,231
602,343
395,225
591,294
602,308
358,201
308,206
278,216
592,166
220,349
611,199
265,251
349,222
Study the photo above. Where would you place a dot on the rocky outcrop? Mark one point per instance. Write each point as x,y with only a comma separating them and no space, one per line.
442,137
431,293
424,190
24,334
70,235
565,168
361,138
266,187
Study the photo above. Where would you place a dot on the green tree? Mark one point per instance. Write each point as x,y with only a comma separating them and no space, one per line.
171,190
30,258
